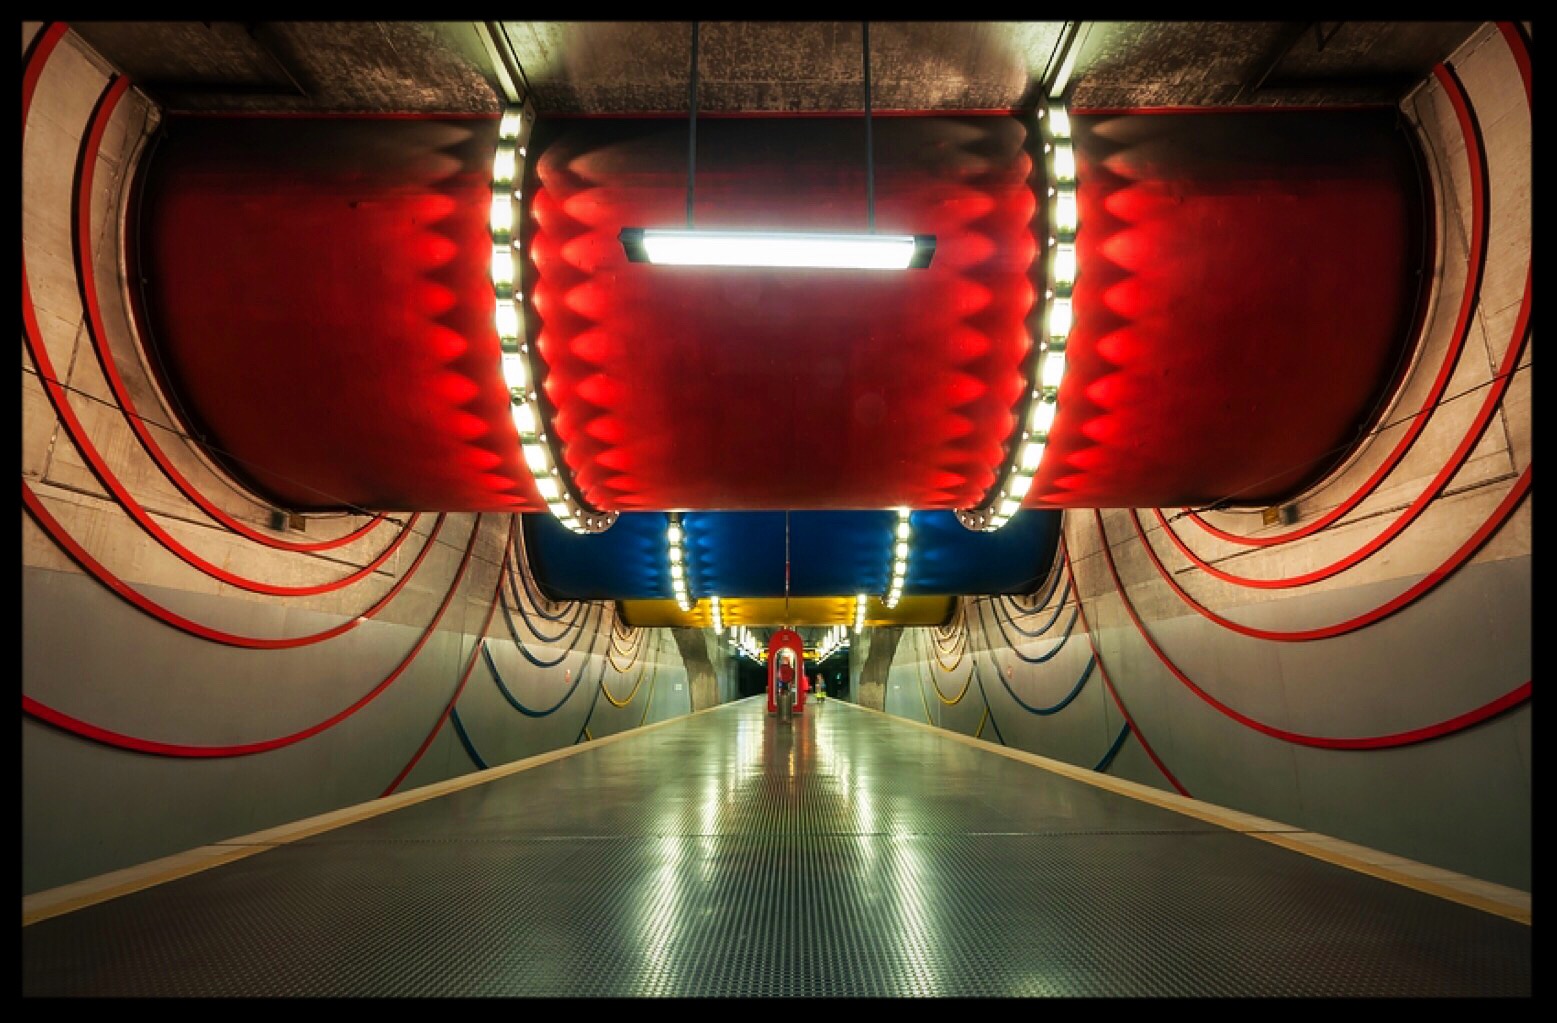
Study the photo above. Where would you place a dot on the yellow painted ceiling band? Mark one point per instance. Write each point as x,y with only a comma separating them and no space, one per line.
802,611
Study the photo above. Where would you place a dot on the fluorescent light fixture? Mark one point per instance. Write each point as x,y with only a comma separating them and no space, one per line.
508,127
535,457
1032,454
1059,122
1010,506
778,248
548,488
524,419
1018,484
674,533
902,530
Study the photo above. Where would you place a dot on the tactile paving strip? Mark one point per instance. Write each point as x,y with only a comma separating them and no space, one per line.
730,855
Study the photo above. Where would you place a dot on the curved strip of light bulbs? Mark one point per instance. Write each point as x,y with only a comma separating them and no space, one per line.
518,369
718,615
674,536
1026,454
747,644
834,639
899,563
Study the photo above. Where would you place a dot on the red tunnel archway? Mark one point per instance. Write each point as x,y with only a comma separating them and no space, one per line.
786,642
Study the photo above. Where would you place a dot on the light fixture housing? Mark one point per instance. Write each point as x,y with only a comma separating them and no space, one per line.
791,249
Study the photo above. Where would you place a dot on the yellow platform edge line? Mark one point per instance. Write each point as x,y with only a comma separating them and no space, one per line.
1499,900
90,891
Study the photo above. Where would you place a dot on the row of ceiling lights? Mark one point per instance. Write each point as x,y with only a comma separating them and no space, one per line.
1027,451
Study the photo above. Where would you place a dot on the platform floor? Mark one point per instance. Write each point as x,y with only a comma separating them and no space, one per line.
843,854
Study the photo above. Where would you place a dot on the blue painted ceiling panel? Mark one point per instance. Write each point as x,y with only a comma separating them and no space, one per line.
742,554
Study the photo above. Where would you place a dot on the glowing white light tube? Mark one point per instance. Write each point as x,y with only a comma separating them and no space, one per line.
781,249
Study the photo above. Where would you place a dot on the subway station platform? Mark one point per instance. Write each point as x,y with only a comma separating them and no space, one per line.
729,854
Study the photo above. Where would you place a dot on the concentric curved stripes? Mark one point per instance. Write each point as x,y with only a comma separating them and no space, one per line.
996,612
629,697
1064,702
86,277
459,687
572,644
108,737
464,737
515,702
953,701
1408,737
1046,626
633,652
67,543
988,710
1113,751
1108,683
1053,581
648,699
579,610
1480,204
1425,585
1434,488
962,650
38,351
536,597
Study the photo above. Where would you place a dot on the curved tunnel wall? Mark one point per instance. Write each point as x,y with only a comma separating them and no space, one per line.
191,675
1448,670
317,291
1364,671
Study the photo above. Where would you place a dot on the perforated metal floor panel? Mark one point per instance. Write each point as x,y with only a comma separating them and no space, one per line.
732,855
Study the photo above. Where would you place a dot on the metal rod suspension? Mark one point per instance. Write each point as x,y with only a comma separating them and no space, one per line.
870,163
692,135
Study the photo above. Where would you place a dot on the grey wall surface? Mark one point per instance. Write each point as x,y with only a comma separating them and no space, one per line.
1460,800
90,805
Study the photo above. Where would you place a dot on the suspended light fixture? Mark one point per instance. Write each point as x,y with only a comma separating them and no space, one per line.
811,250
778,249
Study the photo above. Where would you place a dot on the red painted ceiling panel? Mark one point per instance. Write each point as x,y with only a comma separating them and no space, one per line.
320,297
318,293
735,388
1246,292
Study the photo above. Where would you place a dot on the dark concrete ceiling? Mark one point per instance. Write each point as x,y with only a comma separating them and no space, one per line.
603,67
